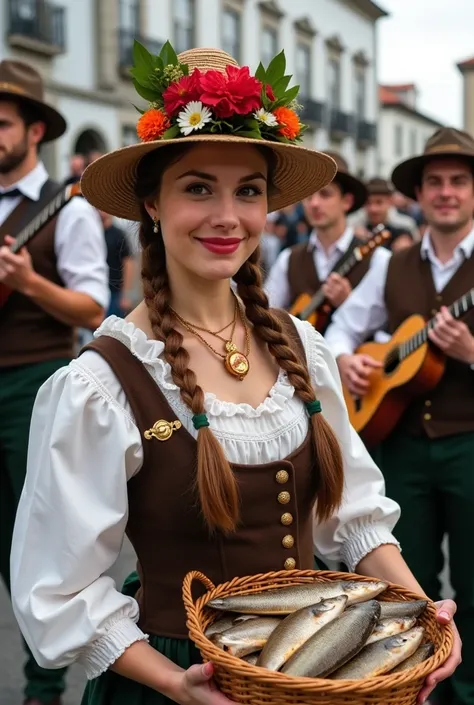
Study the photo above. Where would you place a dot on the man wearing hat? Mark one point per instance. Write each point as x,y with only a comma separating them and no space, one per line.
428,460
377,212
59,281
304,268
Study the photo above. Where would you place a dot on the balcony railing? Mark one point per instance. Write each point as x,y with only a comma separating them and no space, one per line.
366,133
37,24
126,37
340,124
313,111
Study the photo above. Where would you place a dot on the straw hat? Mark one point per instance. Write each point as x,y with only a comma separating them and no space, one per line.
108,183
22,82
349,182
445,142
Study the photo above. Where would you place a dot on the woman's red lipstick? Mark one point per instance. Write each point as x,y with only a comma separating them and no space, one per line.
221,245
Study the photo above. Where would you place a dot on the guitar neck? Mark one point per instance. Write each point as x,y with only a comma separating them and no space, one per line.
457,310
43,217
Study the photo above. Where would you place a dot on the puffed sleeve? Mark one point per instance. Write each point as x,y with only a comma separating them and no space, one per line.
70,525
366,517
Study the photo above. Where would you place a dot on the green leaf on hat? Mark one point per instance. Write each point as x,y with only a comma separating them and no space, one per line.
260,73
144,92
281,138
138,109
142,57
276,68
142,76
253,134
252,124
171,132
280,86
168,55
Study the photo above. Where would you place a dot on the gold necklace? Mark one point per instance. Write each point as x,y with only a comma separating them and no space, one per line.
235,362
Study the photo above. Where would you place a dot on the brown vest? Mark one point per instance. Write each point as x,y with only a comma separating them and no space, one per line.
165,526
303,277
409,289
29,333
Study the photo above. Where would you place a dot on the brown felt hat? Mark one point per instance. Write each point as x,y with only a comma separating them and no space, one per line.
350,183
379,187
108,183
22,82
446,142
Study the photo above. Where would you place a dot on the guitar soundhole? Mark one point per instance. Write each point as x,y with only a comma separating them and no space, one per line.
392,361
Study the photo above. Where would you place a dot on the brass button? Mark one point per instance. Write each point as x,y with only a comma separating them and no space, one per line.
439,297
282,477
427,417
290,564
427,402
434,311
284,497
288,541
286,519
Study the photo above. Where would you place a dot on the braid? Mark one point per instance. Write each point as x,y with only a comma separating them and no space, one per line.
216,484
269,329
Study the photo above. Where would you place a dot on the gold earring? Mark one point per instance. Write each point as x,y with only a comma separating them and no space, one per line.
156,226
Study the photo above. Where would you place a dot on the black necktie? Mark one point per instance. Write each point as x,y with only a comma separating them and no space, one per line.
14,193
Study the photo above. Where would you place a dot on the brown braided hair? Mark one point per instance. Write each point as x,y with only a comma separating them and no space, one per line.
216,483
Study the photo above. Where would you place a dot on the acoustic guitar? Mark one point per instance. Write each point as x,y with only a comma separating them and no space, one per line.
316,309
412,367
46,214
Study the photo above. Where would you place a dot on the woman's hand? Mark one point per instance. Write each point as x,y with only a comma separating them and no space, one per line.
445,614
196,687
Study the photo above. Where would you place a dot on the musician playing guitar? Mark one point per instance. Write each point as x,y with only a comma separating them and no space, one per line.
57,282
305,268
428,459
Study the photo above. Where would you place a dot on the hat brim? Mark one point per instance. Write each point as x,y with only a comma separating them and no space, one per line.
406,177
352,185
55,123
108,182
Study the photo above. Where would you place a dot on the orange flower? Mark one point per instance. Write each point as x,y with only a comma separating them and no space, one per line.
289,121
152,125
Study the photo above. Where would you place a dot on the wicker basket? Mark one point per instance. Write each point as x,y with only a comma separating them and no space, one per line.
244,683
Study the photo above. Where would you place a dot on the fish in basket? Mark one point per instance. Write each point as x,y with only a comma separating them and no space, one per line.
316,638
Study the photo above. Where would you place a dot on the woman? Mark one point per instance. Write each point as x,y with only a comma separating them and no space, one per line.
193,372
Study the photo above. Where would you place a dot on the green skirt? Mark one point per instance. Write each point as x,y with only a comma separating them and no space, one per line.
112,689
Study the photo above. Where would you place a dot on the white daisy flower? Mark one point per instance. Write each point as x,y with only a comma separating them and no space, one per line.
263,116
193,117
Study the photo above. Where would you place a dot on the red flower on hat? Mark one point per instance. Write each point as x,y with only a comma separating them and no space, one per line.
152,125
269,92
236,91
180,93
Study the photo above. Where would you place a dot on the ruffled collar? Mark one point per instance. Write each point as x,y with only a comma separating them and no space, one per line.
150,353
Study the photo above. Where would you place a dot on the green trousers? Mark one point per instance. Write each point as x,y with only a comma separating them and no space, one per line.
433,481
18,389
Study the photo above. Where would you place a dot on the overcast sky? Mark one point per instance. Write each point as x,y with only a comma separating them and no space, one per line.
421,42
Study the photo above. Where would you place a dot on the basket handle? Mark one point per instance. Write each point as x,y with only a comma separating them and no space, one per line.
188,600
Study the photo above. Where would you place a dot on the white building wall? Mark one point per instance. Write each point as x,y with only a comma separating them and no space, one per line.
390,118
76,67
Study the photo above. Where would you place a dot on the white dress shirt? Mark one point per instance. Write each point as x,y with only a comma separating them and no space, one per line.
79,241
364,311
277,286
74,500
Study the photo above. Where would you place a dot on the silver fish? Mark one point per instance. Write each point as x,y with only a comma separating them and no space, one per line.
381,657
391,627
252,658
226,622
247,637
288,599
335,643
296,629
402,609
422,653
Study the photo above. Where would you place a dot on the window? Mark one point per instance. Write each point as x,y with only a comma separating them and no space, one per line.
183,25
413,141
130,16
334,91
303,69
231,32
269,42
360,93
398,138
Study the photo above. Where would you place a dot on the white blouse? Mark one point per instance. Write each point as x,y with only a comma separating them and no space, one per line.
84,446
